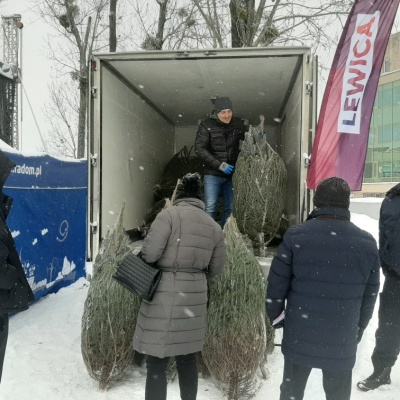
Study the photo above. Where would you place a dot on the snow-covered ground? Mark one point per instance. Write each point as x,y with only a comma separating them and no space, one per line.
44,362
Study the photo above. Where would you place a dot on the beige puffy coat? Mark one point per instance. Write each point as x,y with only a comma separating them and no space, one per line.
188,245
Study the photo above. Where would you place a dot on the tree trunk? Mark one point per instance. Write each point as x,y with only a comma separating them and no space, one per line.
162,17
83,101
113,25
235,35
242,22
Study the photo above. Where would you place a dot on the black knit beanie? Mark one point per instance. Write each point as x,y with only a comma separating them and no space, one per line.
334,192
223,103
190,186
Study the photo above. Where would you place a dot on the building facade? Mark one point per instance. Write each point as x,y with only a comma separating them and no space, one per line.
382,164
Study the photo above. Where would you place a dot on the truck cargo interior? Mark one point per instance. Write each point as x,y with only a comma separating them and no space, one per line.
145,106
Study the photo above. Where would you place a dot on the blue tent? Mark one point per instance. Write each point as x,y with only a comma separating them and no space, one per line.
48,219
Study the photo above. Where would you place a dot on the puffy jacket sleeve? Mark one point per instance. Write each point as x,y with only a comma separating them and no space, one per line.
218,257
8,273
389,233
202,145
157,237
383,217
279,279
385,227
8,276
370,295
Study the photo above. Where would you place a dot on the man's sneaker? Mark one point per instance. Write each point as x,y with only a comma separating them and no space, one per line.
378,378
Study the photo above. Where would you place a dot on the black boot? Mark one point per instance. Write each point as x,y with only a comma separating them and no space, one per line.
379,377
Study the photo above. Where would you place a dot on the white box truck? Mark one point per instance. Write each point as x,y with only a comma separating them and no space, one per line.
145,106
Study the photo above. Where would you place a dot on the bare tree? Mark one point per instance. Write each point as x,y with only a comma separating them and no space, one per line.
238,23
168,24
79,24
276,22
177,24
61,113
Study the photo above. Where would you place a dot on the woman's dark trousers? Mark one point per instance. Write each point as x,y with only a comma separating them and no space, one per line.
337,384
387,345
156,382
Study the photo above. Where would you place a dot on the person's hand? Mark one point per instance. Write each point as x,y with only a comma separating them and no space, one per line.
279,321
226,168
279,325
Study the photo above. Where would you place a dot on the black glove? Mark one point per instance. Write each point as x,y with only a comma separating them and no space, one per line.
360,334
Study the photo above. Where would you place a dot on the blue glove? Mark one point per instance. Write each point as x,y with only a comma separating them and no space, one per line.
226,168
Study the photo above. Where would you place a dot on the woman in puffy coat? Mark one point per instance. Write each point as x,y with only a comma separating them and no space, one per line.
188,246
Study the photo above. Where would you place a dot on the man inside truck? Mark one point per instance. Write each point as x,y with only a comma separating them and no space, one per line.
218,145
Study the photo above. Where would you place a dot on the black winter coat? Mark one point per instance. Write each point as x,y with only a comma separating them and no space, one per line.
327,271
217,142
389,232
15,292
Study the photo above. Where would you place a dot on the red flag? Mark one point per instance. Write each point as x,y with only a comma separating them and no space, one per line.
341,137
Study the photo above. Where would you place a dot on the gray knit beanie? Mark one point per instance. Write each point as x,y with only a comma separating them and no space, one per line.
334,192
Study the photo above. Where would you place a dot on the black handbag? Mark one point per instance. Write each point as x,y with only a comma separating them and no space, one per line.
134,274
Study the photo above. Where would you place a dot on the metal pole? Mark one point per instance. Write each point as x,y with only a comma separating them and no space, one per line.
11,26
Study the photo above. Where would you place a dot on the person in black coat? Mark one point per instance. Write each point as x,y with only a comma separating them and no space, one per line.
217,144
15,292
387,346
325,279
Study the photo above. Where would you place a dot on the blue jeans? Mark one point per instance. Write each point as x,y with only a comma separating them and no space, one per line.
213,186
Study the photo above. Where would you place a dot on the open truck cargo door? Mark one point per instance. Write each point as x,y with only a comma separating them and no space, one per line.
311,92
145,106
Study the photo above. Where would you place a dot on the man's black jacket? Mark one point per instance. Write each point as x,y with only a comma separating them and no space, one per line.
217,142
326,277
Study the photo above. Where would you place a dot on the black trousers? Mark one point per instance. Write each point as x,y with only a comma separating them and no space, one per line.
387,344
337,385
156,381
3,340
